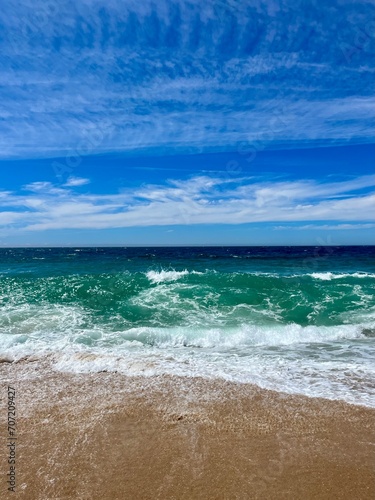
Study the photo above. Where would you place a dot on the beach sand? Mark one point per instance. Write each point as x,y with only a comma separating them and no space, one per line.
110,436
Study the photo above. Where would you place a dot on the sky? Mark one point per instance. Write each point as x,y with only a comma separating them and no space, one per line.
183,123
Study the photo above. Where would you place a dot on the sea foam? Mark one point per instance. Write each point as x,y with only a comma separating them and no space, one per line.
163,276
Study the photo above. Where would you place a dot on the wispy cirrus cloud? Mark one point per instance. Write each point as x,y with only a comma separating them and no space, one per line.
198,200
183,75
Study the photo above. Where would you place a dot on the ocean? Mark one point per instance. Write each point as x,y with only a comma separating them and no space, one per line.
294,319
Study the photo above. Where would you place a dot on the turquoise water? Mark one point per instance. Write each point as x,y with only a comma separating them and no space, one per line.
297,319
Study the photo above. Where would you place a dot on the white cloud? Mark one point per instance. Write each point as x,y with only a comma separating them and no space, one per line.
327,227
76,181
198,200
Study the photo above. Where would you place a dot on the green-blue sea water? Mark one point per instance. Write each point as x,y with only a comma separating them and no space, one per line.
296,319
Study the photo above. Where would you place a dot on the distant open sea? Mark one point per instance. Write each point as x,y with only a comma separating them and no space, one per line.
293,319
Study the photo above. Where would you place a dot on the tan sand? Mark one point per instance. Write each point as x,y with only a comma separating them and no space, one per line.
107,436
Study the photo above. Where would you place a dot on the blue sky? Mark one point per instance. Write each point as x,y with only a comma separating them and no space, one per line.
173,122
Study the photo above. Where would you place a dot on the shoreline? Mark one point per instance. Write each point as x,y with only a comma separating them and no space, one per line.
106,435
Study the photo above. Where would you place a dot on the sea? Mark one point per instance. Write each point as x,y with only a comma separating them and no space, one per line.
299,320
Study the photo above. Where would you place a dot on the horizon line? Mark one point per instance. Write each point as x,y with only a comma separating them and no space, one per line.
181,246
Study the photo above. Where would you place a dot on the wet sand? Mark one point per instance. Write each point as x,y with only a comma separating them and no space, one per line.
107,436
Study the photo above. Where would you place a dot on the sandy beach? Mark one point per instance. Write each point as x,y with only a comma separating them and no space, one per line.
107,436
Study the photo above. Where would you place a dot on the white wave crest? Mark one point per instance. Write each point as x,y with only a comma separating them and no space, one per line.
331,276
247,335
163,276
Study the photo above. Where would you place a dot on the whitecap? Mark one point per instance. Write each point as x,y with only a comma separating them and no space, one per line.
163,275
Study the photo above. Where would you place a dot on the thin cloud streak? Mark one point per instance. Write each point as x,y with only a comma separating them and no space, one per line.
76,181
326,227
